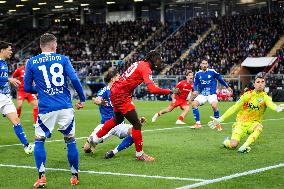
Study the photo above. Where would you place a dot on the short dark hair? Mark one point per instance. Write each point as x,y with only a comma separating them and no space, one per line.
47,38
111,74
4,45
260,75
205,59
152,56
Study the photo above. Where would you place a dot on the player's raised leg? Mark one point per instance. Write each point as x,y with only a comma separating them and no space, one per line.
161,112
108,125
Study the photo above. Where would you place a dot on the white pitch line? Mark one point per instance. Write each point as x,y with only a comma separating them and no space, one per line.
203,183
109,173
149,130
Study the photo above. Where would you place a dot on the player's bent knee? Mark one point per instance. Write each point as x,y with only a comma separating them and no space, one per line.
15,120
195,104
169,109
258,128
234,143
186,108
214,105
137,126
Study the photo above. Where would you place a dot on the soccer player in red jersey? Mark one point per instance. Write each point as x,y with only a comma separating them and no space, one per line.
22,95
123,106
179,98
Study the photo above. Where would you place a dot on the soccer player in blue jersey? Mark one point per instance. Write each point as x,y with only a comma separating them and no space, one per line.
205,85
7,106
49,72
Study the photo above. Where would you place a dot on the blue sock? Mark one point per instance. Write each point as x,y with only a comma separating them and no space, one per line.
21,134
40,156
196,114
73,156
216,114
127,141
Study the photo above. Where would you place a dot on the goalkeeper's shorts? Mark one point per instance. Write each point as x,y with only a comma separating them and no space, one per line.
240,130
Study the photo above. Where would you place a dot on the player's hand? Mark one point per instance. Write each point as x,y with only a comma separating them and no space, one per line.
280,108
14,81
80,105
176,91
143,120
214,123
230,89
104,102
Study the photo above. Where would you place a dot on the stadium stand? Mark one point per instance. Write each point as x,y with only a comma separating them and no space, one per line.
235,38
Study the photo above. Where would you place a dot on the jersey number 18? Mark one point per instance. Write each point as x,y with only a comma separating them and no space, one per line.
55,75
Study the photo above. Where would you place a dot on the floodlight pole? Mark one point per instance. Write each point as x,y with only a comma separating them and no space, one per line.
162,10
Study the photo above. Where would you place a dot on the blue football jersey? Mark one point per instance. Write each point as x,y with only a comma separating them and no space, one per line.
205,82
4,84
105,111
50,71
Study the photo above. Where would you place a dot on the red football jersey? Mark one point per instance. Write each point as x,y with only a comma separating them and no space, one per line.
184,89
137,73
20,74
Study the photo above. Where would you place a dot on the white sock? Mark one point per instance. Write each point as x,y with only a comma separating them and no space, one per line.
138,154
115,151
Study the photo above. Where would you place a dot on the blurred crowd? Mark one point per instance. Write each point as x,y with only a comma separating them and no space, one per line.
234,39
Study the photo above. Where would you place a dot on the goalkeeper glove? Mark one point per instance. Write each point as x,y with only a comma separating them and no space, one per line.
215,123
280,108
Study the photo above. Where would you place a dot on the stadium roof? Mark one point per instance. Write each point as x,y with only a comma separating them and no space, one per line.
18,7
49,5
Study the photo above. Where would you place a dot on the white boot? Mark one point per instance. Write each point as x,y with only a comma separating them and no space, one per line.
154,118
180,122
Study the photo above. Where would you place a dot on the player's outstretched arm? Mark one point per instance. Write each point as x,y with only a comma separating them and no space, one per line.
219,77
152,88
215,121
270,104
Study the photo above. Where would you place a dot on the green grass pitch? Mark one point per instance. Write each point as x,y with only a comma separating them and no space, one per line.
180,152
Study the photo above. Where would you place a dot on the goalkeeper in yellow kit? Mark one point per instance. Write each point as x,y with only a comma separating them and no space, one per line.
251,106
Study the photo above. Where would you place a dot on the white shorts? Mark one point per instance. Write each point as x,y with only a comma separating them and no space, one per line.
210,98
64,118
6,104
120,131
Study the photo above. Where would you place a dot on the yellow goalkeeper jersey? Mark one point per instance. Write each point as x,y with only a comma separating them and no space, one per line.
251,106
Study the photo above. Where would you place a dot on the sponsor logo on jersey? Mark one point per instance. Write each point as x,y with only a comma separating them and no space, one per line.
253,107
260,100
